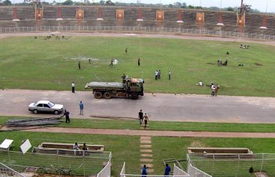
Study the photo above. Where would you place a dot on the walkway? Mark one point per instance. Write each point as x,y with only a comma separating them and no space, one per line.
151,133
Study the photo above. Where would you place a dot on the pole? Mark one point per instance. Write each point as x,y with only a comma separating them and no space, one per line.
241,7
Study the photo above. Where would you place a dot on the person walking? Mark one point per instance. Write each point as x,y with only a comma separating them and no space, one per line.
140,116
169,74
213,90
146,119
217,89
112,62
126,50
67,116
79,65
81,108
73,87
167,170
138,61
156,75
159,73
144,171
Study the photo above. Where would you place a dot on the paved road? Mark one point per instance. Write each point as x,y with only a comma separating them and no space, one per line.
164,107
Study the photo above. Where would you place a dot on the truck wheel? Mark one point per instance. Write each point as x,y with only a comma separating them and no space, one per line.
98,95
134,96
107,95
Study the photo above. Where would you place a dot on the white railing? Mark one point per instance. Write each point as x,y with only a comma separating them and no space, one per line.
106,171
134,29
195,172
178,171
7,171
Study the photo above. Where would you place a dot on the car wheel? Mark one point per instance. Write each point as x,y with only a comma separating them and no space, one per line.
98,95
35,111
56,112
107,95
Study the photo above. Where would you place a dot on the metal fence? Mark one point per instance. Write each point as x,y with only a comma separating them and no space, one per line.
234,165
136,29
84,165
177,172
7,171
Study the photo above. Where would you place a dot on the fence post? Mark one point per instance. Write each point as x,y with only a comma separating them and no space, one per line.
262,163
238,165
213,165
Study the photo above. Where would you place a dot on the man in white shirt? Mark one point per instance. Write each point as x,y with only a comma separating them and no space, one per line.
73,87
213,90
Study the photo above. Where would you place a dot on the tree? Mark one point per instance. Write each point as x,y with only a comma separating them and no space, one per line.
7,2
183,5
246,8
68,2
110,3
230,9
177,4
101,2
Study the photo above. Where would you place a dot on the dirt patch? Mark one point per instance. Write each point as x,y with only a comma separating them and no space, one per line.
197,144
211,63
258,64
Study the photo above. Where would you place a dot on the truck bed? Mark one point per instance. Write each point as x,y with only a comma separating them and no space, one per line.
117,85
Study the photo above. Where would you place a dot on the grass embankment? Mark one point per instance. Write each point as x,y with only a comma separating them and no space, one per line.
164,125
126,148
28,63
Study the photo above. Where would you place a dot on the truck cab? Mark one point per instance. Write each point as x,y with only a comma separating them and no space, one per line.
134,87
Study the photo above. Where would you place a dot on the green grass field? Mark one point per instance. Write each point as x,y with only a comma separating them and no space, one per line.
28,63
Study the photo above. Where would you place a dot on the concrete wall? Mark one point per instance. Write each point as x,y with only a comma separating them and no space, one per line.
26,14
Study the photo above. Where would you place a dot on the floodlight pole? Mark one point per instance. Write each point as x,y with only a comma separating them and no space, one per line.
266,6
241,7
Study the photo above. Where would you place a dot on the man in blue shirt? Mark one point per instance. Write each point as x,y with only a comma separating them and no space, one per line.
144,171
81,107
167,170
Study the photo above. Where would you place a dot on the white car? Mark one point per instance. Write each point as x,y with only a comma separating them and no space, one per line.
46,107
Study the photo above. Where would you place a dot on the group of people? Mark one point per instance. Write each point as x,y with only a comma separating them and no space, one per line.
244,46
143,118
84,147
76,149
166,172
214,89
220,63
67,113
157,74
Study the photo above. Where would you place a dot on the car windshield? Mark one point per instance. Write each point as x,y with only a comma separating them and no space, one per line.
51,104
